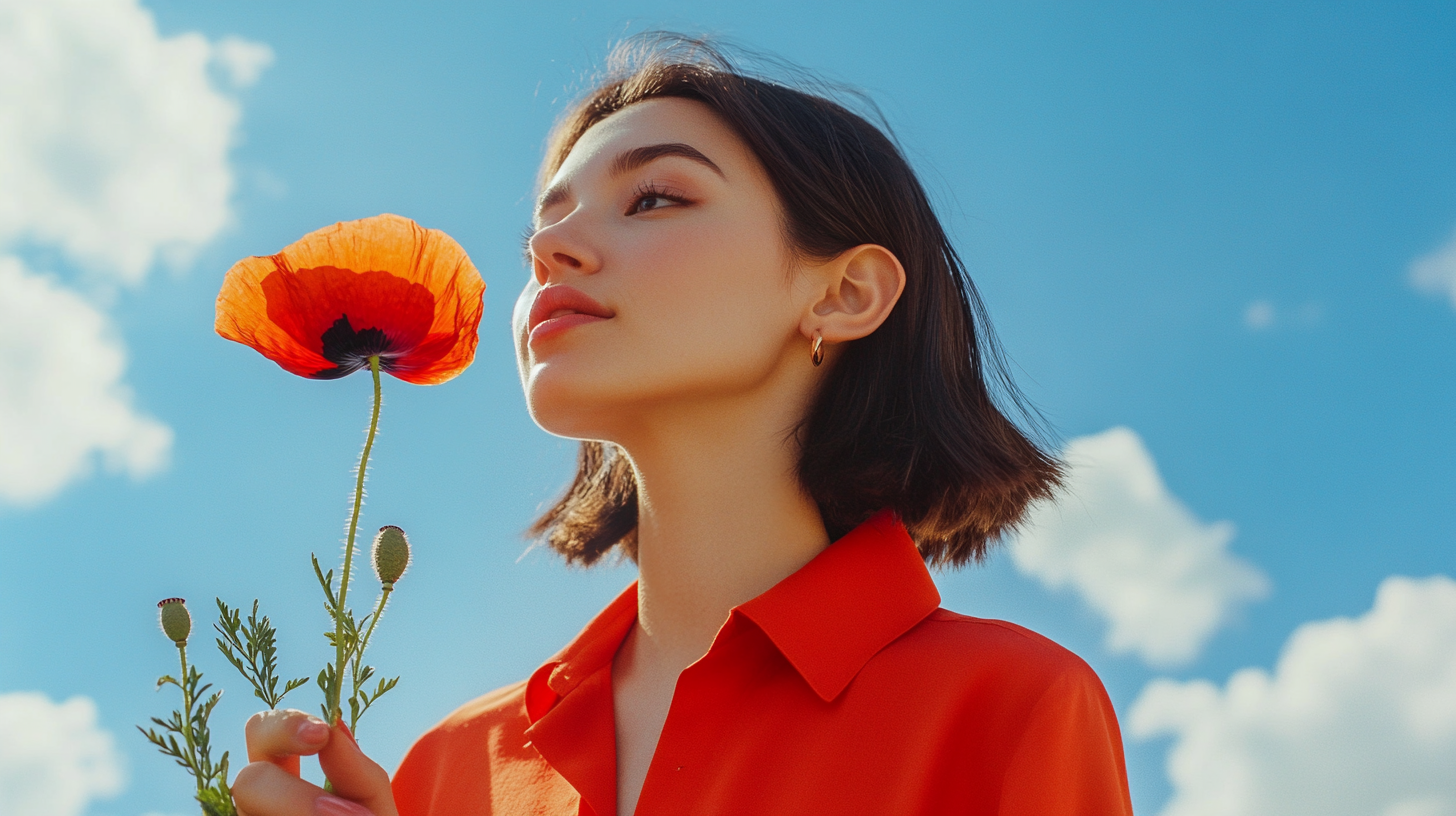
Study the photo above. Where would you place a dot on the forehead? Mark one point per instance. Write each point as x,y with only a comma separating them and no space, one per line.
657,121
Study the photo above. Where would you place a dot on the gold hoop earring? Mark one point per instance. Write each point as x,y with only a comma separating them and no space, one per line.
816,353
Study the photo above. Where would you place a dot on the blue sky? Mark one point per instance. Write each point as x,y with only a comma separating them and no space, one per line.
1196,221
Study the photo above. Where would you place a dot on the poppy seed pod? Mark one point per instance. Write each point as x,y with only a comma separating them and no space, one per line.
391,555
176,622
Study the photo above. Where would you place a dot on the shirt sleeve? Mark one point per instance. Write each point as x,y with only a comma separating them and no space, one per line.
1069,760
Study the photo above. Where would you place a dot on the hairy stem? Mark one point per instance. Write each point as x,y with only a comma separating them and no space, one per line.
187,703
378,610
364,643
339,611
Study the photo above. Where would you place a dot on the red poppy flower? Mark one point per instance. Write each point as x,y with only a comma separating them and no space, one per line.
380,286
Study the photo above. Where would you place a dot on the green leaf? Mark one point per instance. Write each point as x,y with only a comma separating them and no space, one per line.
252,648
194,751
327,582
217,802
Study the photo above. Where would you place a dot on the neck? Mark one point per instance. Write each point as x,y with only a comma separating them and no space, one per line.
721,518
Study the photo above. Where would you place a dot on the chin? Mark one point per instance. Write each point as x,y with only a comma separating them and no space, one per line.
573,404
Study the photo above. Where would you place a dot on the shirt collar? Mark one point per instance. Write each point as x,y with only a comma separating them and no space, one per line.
854,599
827,619
583,656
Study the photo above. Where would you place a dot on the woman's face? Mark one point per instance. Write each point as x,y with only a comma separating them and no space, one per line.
660,276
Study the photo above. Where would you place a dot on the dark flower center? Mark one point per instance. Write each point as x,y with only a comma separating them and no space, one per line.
349,350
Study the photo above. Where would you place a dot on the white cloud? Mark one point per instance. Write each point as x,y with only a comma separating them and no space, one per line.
113,140
61,397
1259,315
1163,579
114,148
54,759
1435,272
1358,718
1263,315
243,60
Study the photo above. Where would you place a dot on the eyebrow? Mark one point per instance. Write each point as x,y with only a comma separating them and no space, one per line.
639,156
629,160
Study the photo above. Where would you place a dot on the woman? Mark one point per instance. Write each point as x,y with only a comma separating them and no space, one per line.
740,293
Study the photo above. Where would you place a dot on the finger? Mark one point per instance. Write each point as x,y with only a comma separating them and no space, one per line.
264,789
280,737
354,775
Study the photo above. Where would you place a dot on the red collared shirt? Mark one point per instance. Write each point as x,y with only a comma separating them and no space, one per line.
844,689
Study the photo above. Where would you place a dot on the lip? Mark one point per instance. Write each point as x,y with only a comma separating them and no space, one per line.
571,307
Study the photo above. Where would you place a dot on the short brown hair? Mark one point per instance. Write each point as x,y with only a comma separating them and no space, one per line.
906,419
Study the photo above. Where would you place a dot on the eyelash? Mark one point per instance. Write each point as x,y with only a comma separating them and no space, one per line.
646,189
651,189
526,235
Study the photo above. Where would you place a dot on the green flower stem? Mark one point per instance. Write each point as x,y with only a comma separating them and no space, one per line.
338,690
187,702
378,610
364,643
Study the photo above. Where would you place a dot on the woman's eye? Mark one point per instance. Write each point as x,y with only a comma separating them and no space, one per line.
649,197
650,202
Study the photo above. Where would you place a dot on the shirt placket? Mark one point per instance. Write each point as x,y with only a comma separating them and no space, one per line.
683,764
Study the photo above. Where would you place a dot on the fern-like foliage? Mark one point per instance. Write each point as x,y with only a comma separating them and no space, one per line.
186,738
252,647
362,698
356,634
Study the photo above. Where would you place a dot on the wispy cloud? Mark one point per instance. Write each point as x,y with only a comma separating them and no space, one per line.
1358,718
244,60
1163,579
54,758
1435,272
1264,315
1259,315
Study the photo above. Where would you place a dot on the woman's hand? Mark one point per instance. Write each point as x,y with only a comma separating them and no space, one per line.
270,785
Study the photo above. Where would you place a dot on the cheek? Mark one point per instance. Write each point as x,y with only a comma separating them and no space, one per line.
711,300
701,312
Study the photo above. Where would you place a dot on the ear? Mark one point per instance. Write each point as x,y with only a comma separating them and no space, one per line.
856,291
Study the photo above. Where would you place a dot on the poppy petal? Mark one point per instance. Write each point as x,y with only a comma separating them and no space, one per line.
378,286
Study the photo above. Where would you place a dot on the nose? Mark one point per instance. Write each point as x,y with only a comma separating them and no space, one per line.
561,249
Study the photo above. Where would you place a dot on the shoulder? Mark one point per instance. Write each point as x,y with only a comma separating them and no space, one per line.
462,762
503,703
500,710
473,735
1041,708
984,665
1055,729
983,643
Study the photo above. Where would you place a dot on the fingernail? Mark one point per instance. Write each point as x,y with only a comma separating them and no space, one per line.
313,730
327,805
